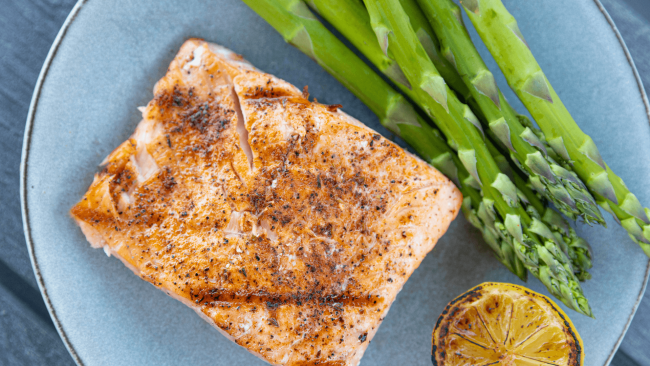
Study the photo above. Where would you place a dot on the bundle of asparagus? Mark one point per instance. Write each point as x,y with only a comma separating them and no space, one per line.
557,183
425,50
508,46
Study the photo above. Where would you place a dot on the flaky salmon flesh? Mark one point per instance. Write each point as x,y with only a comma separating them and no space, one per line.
286,224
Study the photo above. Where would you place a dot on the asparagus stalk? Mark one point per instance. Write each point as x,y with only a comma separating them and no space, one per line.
575,247
298,27
499,31
476,211
481,217
543,257
352,15
446,66
557,184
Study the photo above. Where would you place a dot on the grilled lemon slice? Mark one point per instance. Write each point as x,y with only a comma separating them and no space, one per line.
505,324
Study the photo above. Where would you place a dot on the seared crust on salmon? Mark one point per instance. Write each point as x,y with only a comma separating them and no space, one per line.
287,224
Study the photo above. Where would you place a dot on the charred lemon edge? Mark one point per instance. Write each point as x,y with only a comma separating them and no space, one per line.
476,291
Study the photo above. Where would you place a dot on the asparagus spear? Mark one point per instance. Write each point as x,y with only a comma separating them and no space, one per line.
298,27
575,247
481,216
445,65
541,256
499,31
353,15
557,184
474,209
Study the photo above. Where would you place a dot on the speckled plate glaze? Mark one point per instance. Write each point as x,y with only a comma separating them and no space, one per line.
104,64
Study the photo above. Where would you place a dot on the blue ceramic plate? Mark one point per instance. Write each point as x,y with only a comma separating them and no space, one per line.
103,65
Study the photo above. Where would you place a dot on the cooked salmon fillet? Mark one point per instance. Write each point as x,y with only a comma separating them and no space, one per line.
286,224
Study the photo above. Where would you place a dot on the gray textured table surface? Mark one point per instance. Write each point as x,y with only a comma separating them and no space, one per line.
27,29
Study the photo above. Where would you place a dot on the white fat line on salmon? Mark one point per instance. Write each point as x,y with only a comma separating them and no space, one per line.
197,58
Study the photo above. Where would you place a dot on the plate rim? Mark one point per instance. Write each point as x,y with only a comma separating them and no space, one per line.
27,142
